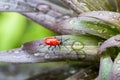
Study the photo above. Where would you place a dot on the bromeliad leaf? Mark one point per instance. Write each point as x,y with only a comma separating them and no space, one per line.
82,6
111,42
16,5
82,47
105,67
115,73
117,5
107,16
86,24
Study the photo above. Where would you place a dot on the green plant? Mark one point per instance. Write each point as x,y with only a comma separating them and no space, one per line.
84,30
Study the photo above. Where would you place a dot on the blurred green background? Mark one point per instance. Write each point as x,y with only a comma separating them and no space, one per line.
16,29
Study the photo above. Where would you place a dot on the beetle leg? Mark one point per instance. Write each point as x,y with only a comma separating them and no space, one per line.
49,47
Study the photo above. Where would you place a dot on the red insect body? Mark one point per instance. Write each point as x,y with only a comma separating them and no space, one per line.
52,41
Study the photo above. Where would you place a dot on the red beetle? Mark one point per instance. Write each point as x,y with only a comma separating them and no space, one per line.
52,41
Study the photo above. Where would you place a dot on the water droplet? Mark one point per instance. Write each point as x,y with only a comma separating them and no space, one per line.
100,31
85,74
66,17
101,14
113,27
34,9
118,61
82,4
114,16
43,8
39,54
47,56
10,51
112,19
6,6
110,13
72,71
77,45
92,28
71,21
118,68
16,51
36,54
41,45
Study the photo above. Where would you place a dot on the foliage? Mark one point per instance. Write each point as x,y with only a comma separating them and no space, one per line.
83,31
15,30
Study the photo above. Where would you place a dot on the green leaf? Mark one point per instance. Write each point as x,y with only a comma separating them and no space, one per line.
105,67
12,28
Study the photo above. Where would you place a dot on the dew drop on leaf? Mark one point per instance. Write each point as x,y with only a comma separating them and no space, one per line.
72,71
47,56
36,54
16,51
77,45
118,61
110,13
101,14
118,68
